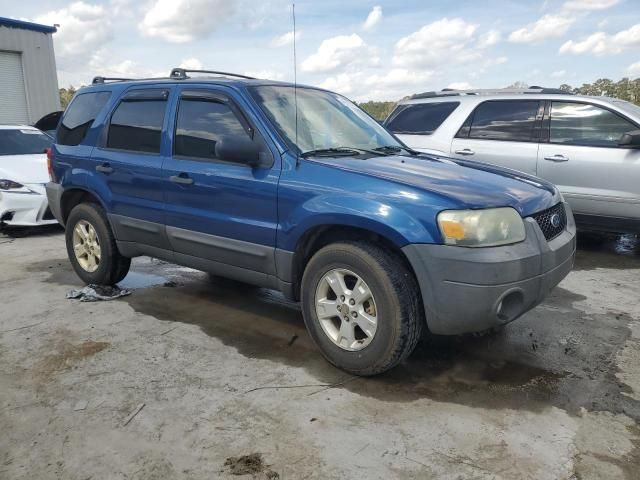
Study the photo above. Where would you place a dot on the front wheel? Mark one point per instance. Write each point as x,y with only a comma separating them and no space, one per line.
92,248
361,305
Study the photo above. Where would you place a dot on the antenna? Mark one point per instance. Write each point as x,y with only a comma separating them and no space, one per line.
295,77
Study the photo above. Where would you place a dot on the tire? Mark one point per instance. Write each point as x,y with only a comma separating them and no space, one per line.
112,266
396,300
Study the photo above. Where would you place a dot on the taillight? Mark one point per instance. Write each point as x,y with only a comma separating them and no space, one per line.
50,164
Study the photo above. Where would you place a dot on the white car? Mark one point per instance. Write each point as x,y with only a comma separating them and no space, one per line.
23,174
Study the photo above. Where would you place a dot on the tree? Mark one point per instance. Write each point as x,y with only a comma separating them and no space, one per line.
66,94
378,110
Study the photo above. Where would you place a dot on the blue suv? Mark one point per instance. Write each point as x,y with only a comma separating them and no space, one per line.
297,189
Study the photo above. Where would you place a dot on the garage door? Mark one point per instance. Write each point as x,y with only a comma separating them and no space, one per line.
12,94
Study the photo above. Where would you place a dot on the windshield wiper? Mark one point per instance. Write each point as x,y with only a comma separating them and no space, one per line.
395,148
341,152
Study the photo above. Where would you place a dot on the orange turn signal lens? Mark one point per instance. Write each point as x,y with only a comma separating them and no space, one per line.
452,230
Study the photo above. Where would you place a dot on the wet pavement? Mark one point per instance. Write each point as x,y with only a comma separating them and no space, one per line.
225,370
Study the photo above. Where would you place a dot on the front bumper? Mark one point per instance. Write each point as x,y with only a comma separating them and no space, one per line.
473,289
26,209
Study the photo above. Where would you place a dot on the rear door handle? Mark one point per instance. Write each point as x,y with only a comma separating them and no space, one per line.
182,179
557,158
104,168
464,151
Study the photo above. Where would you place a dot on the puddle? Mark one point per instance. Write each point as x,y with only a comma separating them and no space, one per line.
607,251
555,355
135,280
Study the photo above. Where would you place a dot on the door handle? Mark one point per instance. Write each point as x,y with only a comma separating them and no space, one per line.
557,158
464,151
182,179
104,168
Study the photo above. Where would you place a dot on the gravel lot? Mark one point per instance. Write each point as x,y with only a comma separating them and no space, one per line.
186,373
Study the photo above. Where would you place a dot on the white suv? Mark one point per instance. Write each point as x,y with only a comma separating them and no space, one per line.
588,146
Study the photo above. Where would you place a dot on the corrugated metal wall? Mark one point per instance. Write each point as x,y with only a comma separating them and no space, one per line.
39,69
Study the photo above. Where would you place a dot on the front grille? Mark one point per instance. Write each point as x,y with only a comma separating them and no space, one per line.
550,228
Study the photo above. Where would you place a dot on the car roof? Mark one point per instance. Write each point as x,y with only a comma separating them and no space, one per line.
477,96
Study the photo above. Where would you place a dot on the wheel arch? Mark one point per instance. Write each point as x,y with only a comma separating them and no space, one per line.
75,196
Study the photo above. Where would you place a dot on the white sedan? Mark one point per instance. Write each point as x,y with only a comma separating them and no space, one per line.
23,174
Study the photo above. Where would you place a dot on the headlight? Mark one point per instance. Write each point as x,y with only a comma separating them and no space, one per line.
14,187
481,228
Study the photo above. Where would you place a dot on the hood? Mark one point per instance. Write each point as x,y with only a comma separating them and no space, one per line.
467,184
24,169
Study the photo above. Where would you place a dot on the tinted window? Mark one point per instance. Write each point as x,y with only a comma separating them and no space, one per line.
421,118
23,142
504,120
202,124
80,116
582,124
137,126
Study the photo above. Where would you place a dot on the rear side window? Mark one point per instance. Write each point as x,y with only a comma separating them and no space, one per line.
587,125
420,118
512,120
202,124
136,124
80,116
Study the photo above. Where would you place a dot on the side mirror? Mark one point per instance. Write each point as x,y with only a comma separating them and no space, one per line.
630,139
250,152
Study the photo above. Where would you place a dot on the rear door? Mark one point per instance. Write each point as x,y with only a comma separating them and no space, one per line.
580,154
502,132
128,165
219,210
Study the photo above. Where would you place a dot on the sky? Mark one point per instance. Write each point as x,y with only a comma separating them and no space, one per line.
380,50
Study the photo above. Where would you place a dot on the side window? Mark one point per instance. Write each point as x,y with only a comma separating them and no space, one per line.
420,118
203,125
136,124
80,116
511,120
587,125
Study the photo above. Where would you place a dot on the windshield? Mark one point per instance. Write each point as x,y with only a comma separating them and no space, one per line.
325,120
23,142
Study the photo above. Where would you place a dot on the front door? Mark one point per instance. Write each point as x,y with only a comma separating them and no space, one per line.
502,132
582,157
219,209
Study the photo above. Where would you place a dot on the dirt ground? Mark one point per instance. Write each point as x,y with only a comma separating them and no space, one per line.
199,379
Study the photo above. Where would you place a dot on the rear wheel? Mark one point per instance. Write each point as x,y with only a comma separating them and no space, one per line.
361,307
92,248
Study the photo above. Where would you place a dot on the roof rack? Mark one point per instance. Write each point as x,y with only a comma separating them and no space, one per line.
181,74
109,79
449,92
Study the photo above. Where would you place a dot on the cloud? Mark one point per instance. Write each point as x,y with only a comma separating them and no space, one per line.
445,39
362,86
633,70
191,64
489,39
84,29
559,73
460,86
284,39
588,5
266,74
601,43
549,26
374,17
335,53
181,21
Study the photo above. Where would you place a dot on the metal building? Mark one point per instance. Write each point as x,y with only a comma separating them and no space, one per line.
28,81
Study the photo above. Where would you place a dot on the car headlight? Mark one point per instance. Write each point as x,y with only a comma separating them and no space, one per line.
481,228
13,187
